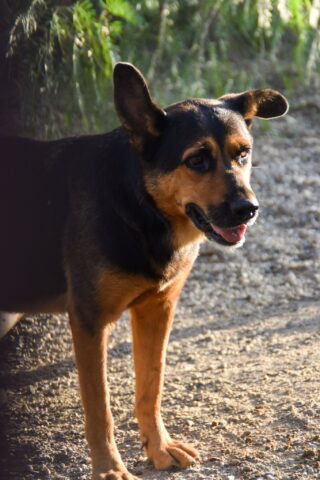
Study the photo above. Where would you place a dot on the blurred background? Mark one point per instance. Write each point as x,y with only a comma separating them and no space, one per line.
56,56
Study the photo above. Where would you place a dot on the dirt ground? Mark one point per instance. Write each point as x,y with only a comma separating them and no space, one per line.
243,368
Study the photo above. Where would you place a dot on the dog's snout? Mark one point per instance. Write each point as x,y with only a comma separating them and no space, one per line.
244,209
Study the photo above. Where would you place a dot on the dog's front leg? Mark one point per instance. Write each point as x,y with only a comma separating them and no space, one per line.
91,358
151,325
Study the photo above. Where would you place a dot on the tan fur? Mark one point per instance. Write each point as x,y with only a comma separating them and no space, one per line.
242,174
252,107
152,309
234,143
151,324
90,352
173,191
116,291
200,143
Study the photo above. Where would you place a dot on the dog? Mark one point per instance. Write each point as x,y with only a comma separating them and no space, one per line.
95,225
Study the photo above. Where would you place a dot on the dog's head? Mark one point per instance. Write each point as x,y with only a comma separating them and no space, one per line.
196,155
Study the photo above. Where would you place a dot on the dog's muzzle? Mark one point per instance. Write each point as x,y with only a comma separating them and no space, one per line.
227,236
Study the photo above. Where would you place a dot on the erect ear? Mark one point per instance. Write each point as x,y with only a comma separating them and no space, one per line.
264,103
136,110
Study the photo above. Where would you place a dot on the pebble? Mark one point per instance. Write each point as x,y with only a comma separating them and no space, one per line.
46,470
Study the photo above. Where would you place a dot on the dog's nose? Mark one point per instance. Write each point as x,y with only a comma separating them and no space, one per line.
243,209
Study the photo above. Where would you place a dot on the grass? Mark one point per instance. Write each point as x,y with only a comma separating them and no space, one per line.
66,51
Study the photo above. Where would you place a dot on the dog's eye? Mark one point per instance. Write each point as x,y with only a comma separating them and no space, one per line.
199,162
243,156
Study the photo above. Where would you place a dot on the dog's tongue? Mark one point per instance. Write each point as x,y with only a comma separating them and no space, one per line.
231,235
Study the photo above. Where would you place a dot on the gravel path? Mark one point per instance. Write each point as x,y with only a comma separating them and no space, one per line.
243,374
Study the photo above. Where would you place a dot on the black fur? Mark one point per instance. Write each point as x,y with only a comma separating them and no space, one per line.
81,194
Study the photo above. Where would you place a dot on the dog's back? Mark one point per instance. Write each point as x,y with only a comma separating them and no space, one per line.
61,197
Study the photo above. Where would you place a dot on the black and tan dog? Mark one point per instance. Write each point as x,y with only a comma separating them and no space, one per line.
99,224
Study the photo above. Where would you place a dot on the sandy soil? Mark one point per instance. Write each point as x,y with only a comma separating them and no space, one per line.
243,369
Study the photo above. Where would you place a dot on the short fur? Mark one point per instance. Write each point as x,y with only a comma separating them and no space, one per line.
95,225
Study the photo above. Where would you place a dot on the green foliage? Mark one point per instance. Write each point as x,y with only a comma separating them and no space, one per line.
65,51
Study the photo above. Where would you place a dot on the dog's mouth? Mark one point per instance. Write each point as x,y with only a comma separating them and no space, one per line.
229,236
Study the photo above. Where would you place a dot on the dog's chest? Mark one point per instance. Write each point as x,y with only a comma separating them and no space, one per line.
179,265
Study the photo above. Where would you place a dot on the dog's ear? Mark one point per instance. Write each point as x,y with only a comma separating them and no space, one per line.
136,110
264,103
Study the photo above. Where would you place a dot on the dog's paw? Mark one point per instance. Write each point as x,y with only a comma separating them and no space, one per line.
115,475
173,454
